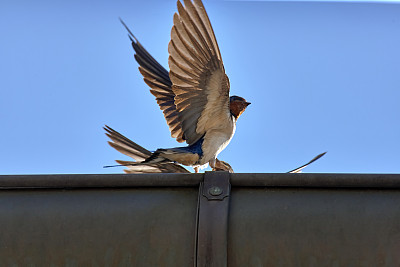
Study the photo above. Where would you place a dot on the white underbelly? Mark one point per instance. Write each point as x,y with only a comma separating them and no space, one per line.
215,141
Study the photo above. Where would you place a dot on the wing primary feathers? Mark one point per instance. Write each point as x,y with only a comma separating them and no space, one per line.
157,78
186,14
186,80
129,31
140,50
183,29
202,55
174,47
200,7
197,59
192,9
156,74
191,13
184,69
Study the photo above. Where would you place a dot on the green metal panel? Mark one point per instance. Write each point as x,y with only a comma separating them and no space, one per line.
151,220
314,227
101,227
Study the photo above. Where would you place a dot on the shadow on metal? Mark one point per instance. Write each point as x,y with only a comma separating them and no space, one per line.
216,219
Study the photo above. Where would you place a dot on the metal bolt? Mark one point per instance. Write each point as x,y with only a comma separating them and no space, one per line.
215,191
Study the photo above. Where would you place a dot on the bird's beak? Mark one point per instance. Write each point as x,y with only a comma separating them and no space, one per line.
247,103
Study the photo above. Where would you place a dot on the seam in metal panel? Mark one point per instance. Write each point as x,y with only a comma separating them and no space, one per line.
212,220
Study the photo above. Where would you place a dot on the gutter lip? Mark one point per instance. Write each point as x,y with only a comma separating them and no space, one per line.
298,180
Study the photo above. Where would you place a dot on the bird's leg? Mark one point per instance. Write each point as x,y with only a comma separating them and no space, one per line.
196,169
212,163
222,166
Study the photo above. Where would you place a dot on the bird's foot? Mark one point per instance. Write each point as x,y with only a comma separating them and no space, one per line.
222,166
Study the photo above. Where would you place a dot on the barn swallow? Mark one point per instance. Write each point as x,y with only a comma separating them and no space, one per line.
194,94
138,153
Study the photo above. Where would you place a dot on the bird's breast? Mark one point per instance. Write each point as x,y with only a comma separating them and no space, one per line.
216,140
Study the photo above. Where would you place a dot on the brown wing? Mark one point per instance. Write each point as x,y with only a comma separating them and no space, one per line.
138,153
197,72
157,77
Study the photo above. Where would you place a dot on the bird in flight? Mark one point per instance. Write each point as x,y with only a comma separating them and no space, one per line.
194,94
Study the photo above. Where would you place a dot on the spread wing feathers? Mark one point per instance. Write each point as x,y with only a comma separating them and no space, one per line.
299,169
197,72
157,78
138,153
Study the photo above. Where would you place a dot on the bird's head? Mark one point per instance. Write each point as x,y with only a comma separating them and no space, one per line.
237,105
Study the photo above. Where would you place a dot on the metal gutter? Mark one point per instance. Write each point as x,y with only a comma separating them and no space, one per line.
302,180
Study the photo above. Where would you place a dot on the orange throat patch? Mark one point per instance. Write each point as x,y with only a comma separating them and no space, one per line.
236,108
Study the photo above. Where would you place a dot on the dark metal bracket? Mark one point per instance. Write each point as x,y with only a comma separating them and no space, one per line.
212,220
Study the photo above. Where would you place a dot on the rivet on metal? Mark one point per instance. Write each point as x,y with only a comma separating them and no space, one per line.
215,191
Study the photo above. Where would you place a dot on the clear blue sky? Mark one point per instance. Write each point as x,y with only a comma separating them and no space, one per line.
320,76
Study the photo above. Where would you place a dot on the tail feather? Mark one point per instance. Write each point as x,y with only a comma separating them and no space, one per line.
156,157
140,154
126,146
299,169
182,155
138,167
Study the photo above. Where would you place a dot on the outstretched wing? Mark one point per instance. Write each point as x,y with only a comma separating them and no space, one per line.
157,77
197,72
138,153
